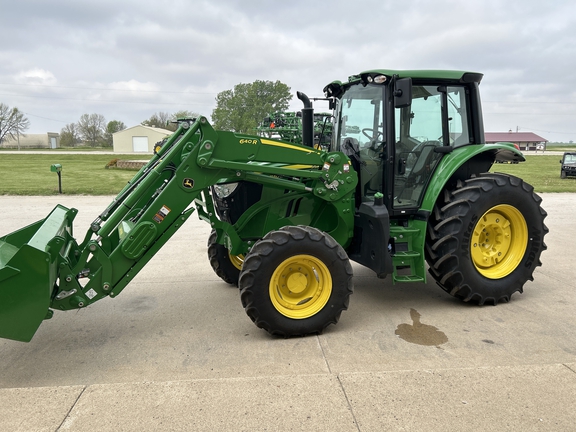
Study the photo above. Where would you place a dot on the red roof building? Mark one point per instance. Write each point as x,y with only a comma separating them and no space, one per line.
524,140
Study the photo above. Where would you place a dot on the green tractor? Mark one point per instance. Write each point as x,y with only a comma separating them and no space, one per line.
404,187
287,126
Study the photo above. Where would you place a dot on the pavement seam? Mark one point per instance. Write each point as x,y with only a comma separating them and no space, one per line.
71,408
324,354
349,404
569,368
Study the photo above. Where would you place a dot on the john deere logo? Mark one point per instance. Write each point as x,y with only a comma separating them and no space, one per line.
188,183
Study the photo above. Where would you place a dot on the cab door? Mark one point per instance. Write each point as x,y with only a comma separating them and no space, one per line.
431,126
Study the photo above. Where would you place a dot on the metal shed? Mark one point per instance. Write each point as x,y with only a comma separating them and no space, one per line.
138,139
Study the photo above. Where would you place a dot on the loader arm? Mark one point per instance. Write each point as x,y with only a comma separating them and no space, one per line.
148,211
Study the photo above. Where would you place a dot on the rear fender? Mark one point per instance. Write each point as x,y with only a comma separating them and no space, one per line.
465,161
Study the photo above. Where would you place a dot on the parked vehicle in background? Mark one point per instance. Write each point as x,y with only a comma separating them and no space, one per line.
568,167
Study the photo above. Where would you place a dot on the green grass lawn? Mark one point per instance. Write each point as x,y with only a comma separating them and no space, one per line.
82,174
542,172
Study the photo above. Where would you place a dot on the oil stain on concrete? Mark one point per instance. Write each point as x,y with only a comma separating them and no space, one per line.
420,334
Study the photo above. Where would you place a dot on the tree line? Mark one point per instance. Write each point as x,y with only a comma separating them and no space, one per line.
240,109
93,130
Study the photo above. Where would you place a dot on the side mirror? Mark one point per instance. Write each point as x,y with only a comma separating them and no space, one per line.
402,92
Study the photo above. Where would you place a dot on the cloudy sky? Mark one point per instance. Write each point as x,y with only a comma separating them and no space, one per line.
127,59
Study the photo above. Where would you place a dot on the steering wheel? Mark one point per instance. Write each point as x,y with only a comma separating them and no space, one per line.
365,132
373,144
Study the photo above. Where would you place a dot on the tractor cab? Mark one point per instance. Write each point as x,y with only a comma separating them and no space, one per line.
396,127
396,130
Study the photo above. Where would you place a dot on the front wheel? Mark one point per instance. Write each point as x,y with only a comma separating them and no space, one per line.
485,238
225,265
296,281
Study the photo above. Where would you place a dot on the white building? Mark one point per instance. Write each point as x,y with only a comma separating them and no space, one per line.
33,141
138,139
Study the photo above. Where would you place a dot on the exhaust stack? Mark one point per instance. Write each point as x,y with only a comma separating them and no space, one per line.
307,120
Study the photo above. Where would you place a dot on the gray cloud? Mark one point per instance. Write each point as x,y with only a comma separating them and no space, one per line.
129,59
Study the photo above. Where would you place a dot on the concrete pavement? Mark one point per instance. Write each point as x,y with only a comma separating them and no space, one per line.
175,351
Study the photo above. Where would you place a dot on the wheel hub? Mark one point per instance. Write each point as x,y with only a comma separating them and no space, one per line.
300,286
498,242
296,283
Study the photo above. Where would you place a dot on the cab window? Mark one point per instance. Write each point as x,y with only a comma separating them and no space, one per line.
438,116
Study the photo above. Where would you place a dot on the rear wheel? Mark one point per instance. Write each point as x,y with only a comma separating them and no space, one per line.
225,265
485,238
296,281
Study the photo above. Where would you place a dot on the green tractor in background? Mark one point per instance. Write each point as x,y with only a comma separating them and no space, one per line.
404,186
287,126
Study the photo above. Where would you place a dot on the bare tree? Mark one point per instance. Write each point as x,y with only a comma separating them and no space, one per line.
184,114
69,135
92,128
159,119
12,122
168,121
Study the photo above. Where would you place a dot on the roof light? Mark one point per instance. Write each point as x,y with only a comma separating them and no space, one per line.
380,79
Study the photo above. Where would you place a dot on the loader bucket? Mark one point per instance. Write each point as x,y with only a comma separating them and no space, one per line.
29,263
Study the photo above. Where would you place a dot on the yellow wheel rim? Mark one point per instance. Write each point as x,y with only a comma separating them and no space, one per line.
300,286
499,241
236,260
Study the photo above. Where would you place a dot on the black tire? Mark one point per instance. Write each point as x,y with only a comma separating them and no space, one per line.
317,276
221,261
466,234
562,174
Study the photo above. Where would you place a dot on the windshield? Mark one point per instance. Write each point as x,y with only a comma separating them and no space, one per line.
361,134
570,158
361,116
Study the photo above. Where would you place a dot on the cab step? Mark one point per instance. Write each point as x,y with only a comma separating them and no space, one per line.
411,278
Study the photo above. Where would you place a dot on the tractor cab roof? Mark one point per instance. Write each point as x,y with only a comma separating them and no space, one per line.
383,76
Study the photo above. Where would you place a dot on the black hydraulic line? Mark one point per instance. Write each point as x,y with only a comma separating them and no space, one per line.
172,169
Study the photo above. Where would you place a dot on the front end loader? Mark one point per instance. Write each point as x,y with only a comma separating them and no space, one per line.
403,187
43,268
